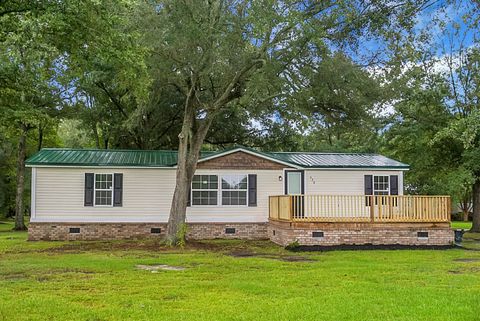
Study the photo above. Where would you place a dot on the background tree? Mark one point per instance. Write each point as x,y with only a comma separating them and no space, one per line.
46,49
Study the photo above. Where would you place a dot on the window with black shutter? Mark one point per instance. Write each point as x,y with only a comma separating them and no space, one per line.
252,190
117,189
88,194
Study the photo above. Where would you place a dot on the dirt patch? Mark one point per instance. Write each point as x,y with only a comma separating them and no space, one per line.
154,246
455,272
154,268
13,276
466,260
285,258
244,254
295,259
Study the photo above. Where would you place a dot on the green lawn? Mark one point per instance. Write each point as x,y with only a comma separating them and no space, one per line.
99,281
461,225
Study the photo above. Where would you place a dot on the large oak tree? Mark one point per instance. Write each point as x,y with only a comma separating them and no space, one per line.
219,52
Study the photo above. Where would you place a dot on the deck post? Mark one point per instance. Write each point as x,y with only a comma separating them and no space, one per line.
372,209
290,207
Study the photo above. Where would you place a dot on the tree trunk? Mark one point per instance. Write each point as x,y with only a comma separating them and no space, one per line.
40,138
476,206
95,135
465,215
188,153
190,143
19,206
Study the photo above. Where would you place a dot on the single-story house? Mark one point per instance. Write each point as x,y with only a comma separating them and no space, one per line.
310,198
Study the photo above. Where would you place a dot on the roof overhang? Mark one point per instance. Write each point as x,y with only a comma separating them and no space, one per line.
96,166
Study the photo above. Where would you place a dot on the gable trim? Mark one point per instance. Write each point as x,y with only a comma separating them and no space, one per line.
239,149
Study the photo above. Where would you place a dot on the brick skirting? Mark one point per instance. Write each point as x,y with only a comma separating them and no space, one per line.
282,233
119,231
328,234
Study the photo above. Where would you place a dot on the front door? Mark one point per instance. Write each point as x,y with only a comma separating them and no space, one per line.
294,185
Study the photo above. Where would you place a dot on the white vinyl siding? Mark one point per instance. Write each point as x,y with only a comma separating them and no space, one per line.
343,182
147,196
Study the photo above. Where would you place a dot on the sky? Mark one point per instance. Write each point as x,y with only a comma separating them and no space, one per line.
446,40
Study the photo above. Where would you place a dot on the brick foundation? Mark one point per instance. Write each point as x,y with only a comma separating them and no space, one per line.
119,231
284,233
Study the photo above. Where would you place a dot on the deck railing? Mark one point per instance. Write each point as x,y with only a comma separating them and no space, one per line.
359,208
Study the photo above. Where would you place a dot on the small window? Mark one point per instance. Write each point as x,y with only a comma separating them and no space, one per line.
103,190
380,185
74,230
234,190
205,190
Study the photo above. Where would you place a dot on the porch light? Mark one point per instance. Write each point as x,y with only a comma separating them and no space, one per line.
280,178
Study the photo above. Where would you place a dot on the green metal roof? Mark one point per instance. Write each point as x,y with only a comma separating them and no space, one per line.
103,157
339,160
168,158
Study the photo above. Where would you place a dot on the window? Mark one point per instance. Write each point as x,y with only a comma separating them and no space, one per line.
380,185
103,190
204,190
234,190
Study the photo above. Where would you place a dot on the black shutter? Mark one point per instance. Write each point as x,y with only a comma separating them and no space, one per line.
252,190
189,198
393,184
117,189
88,198
368,185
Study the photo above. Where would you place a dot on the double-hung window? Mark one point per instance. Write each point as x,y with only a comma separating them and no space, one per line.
381,185
234,189
205,190
103,189
228,190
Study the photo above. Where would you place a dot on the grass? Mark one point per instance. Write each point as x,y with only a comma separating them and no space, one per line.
99,281
461,225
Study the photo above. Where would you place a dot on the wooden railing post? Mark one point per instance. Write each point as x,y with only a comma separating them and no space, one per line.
290,208
372,209
449,208
278,206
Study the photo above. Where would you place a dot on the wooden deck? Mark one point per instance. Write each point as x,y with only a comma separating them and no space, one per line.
360,208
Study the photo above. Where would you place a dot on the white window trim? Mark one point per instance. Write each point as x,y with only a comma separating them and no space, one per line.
381,190
219,192
102,189
231,190
204,190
